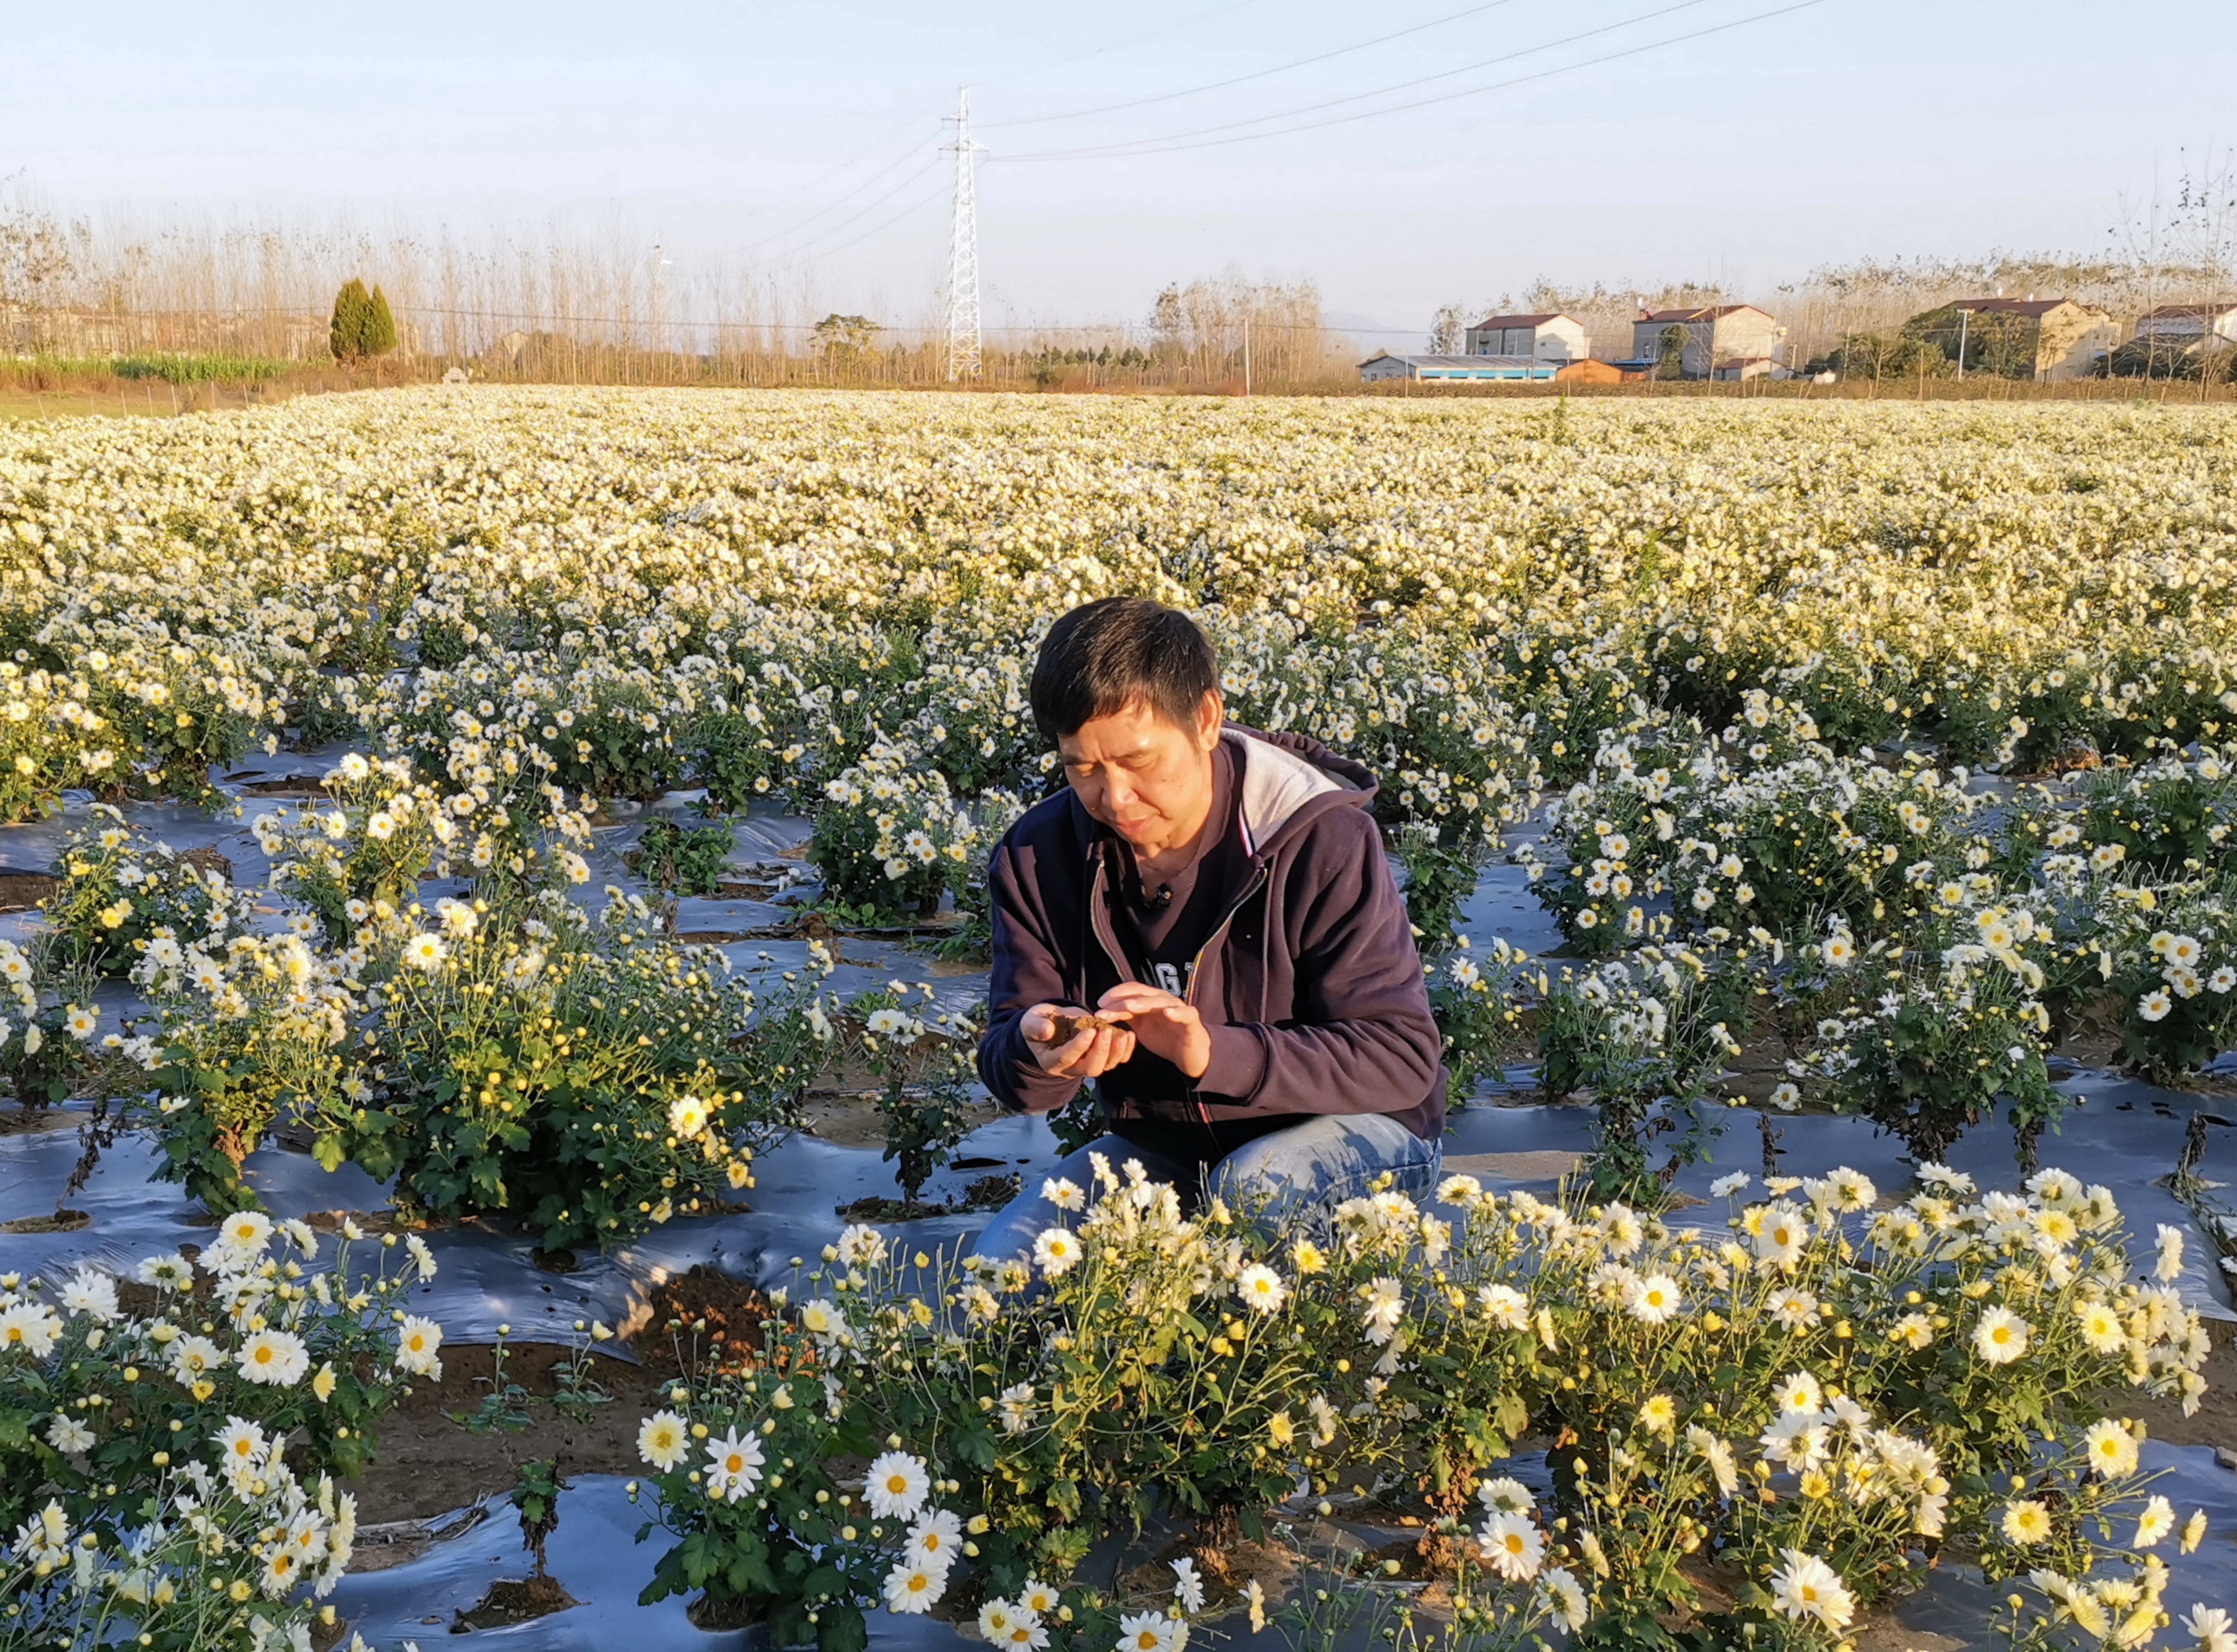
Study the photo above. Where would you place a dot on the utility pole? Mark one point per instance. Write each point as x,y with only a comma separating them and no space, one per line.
1964,316
963,250
1246,354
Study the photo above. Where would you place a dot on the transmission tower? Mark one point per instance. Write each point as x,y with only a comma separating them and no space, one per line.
963,251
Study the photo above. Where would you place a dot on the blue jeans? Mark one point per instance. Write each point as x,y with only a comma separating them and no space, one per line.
1280,1176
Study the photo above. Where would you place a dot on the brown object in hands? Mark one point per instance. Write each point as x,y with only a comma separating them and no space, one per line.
1063,1027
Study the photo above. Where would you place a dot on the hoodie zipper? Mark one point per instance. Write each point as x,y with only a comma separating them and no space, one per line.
1098,921
1219,934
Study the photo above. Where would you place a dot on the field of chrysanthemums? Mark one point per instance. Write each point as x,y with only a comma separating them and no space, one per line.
497,918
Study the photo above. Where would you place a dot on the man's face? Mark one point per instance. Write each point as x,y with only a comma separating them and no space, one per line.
1145,778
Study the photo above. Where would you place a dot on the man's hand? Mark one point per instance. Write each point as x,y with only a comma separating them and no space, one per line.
1165,1025
1090,1053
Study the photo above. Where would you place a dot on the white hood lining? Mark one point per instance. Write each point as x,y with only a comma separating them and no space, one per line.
1276,783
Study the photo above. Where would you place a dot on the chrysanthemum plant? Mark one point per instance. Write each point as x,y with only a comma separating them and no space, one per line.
586,1074
110,1385
114,891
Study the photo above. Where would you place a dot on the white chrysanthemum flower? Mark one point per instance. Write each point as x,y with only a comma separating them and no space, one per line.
2168,1267
44,1539
2156,1523
2101,1327
195,1359
91,1294
1805,1588
1151,1632
2026,1523
1505,1495
896,1486
1261,1288
1654,1300
1795,1440
1505,1306
662,1440
426,952
2110,1449
1514,1545
1188,1587
1056,1250
241,1446
68,1436
242,1238
1562,1598
2210,1626
820,1318
912,1590
1798,1392
936,1538
418,1345
2000,1336
734,1466
277,1359
1385,1305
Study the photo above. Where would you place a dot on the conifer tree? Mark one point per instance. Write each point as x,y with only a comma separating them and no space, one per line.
345,333
379,326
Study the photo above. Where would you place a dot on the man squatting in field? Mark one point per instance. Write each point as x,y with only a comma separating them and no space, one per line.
1260,1029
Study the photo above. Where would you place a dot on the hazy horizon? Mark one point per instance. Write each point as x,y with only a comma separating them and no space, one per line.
804,138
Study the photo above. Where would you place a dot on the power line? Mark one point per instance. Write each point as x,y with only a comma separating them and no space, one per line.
1174,141
1131,144
1256,74
801,252
901,160
1115,46
877,229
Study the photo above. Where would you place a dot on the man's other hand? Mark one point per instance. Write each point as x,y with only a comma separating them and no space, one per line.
1088,1053
1165,1025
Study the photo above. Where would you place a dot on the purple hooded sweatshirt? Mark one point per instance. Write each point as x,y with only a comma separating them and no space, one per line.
1311,986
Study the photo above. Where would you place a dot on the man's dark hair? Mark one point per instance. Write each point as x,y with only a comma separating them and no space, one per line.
1106,655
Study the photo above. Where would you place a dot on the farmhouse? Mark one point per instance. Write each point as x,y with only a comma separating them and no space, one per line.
2183,326
1468,369
2019,338
1552,337
1707,336
1736,369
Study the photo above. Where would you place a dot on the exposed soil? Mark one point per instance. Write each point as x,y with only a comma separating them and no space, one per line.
988,1193
21,1121
703,1322
209,859
65,1221
399,1542
283,786
1226,1571
700,1323
2216,1422
20,891
514,1600
428,1463
849,1118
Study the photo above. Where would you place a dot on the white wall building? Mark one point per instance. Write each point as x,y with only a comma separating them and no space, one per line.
1552,337
1709,335
2182,326
1465,369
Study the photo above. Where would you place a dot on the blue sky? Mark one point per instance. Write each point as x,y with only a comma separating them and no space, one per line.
803,136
